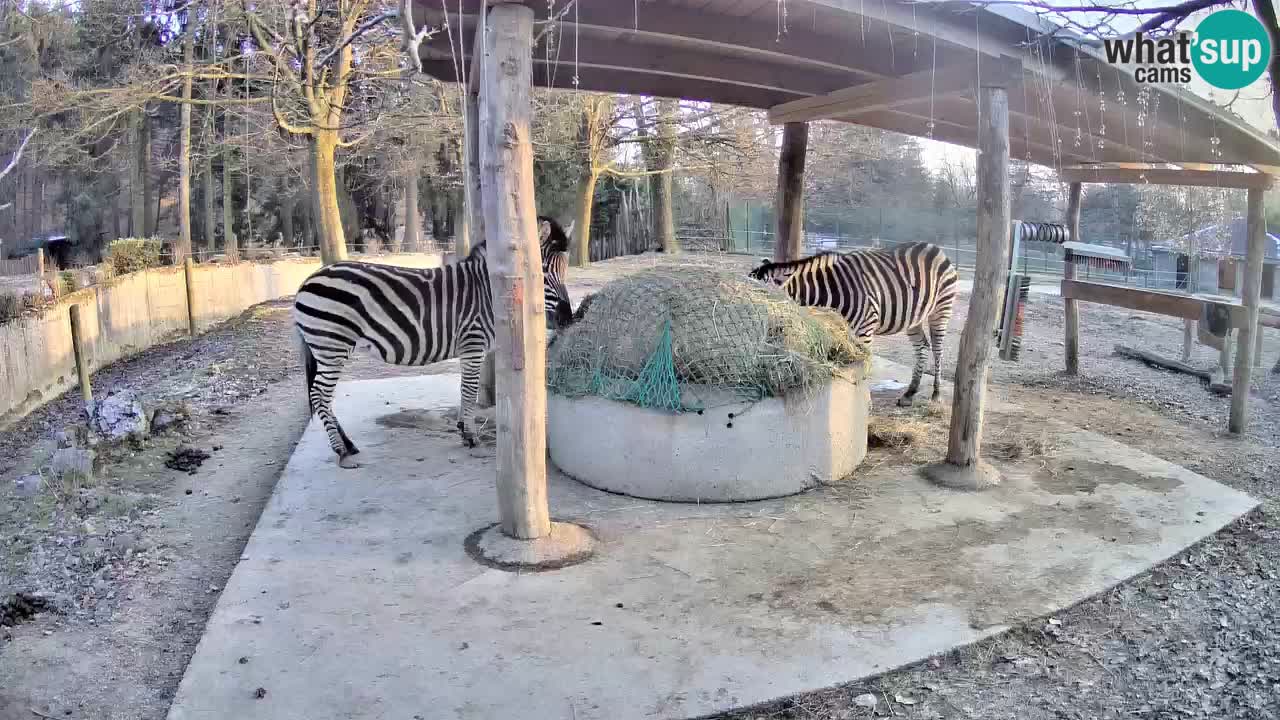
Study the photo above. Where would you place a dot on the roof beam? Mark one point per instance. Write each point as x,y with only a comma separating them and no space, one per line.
892,92
1167,176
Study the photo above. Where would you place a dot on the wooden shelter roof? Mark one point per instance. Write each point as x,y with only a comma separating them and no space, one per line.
907,67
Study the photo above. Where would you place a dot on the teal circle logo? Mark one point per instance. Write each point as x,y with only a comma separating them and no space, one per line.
1232,49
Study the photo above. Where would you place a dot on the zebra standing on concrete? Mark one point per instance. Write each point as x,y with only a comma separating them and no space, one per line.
879,292
411,317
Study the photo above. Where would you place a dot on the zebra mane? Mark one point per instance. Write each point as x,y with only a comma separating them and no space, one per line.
557,239
819,261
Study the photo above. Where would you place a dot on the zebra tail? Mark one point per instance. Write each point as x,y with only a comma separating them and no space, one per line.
309,363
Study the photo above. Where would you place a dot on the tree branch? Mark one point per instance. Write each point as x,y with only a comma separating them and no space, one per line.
17,156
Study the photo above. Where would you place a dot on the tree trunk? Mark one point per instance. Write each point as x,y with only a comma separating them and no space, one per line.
149,198
1250,296
412,220
789,241
580,246
137,173
182,249
333,242
230,245
287,203
664,228
210,216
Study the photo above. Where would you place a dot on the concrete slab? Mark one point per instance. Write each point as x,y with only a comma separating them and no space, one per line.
358,599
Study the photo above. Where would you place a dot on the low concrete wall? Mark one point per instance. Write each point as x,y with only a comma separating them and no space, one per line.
771,448
134,312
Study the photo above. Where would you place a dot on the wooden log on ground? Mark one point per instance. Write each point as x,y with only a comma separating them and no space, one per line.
789,242
515,272
1072,339
1155,360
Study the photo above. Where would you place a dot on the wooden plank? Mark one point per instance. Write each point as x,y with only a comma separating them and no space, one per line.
789,240
892,92
965,437
1161,303
1072,318
506,158
1167,176
1251,296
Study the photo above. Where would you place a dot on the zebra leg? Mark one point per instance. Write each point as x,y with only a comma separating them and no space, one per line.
918,339
471,362
321,396
937,332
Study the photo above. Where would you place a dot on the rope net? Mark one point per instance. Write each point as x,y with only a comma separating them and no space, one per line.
689,337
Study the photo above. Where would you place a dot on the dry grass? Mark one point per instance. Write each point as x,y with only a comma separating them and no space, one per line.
895,432
1013,445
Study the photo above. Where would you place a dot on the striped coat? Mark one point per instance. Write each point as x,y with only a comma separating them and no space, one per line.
885,291
411,317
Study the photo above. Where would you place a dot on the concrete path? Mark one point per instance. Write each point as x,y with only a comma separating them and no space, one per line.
355,598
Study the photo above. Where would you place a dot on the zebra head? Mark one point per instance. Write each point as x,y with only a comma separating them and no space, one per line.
772,272
553,241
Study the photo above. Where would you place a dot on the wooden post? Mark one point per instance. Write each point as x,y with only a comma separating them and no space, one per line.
488,382
963,468
471,232
506,160
40,274
1188,327
1072,338
82,362
1251,295
1257,348
789,242
188,270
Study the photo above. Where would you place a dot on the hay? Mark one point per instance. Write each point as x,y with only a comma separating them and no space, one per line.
895,432
684,337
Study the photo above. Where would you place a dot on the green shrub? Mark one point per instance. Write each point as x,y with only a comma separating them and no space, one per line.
68,282
132,254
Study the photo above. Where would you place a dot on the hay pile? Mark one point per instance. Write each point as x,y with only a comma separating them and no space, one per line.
677,338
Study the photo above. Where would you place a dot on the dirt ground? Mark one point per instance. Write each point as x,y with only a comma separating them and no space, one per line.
133,562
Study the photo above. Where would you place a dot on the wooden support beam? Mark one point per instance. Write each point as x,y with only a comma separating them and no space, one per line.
892,92
1187,307
471,230
789,240
963,467
82,360
1167,176
506,159
1072,318
1251,295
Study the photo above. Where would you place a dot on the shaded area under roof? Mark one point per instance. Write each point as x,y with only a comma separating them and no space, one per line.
746,53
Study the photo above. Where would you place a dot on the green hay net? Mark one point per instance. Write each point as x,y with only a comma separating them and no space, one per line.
687,337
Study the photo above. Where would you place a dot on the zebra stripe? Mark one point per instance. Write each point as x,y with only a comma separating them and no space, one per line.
879,292
410,317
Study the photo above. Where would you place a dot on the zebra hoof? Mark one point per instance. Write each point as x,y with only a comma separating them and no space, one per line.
349,462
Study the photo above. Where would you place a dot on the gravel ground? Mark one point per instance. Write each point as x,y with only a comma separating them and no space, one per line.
133,562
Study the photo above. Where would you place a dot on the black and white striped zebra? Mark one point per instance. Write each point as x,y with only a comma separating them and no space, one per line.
411,316
879,292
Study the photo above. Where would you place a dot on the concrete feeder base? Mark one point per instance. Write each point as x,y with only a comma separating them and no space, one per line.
732,452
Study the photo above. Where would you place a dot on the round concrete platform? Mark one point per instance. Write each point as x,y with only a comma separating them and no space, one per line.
567,544
732,452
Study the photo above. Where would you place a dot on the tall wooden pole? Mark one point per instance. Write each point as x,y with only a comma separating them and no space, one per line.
1072,339
1251,295
506,161
789,241
962,467
82,361
472,232
188,273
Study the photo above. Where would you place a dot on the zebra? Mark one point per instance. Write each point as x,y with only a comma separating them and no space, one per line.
411,316
879,292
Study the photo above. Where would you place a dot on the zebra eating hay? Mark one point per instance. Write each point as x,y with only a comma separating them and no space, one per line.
411,316
879,292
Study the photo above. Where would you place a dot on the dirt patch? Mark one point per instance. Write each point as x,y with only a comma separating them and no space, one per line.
1066,477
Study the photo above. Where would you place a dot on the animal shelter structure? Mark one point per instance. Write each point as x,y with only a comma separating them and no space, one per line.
990,78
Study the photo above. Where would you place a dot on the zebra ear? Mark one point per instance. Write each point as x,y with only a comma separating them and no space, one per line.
568,232
544,229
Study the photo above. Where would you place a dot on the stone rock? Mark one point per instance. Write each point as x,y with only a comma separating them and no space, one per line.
119,416
73,465
865,700
28,485
169,416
